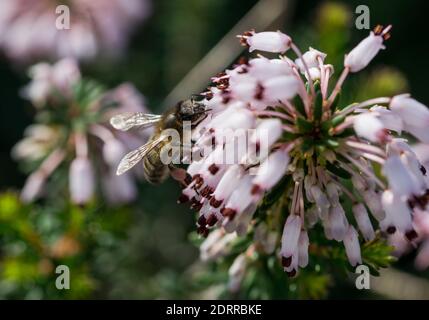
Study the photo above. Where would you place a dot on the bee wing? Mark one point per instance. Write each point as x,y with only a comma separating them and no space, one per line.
126,121
132,158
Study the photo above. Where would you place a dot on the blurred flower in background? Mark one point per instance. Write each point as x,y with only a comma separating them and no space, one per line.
35,239
71,133
97,28
311,140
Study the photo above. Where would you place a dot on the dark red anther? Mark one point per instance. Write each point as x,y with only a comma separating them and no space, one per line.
411,235
286,261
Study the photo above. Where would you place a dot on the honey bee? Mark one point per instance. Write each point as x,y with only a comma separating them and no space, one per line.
155,171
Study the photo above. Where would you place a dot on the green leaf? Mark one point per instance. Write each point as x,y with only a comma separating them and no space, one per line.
318,106
307,144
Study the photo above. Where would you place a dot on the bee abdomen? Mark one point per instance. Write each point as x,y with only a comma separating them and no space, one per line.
155,171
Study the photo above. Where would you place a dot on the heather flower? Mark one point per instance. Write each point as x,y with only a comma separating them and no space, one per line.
72,134
366,50
321,153
28,28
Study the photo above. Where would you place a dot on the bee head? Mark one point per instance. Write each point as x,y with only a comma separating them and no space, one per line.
191,110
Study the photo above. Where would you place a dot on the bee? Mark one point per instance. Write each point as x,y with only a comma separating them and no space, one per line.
155,171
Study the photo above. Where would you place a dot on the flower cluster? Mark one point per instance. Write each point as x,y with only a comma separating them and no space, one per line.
28,28
72,131
322,155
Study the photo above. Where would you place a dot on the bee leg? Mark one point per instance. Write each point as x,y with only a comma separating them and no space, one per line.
179,174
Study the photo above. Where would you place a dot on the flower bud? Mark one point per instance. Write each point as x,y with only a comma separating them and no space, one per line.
269,41
351,243
363,221
411,111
